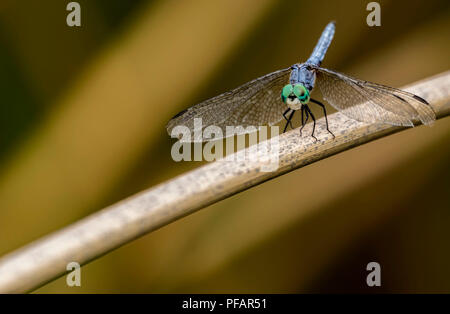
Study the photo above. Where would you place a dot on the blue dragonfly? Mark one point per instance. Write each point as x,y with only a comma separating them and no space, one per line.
258,102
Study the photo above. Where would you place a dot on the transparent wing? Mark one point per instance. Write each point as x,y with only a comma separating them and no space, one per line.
255,103
369,102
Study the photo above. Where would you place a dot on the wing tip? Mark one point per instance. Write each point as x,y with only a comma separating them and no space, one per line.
428,119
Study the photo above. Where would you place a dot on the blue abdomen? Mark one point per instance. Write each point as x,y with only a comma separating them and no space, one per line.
322,45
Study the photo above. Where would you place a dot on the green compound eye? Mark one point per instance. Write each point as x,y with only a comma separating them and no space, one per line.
286,91
302,93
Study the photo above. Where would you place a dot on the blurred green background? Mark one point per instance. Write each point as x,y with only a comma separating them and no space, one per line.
83,113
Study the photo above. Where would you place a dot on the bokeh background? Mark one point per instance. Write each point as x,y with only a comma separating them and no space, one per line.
82,125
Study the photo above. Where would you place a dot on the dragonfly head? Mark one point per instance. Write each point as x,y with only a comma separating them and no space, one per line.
294,95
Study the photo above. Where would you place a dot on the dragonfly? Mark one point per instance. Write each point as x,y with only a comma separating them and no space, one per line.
278,95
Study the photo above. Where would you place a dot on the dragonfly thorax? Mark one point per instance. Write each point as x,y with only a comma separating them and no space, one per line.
295,95
303,74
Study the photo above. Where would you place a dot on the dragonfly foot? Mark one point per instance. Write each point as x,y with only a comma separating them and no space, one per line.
331,134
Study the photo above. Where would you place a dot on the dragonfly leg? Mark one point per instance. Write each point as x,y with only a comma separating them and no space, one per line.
306,120
303,121
324,112
314,121
288,119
